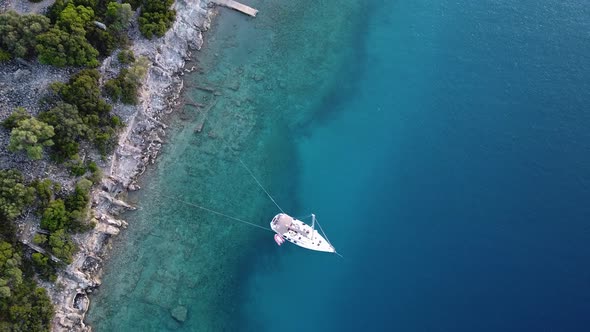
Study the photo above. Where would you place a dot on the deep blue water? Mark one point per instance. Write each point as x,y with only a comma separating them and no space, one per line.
455,177
444,146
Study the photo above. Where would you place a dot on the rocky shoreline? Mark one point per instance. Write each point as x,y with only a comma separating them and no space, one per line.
138,147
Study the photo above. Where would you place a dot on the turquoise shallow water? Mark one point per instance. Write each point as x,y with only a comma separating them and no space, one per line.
443,146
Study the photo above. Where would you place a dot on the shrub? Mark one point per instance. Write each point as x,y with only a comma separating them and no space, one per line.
13,119
10,274
118,16
45,191
4,56
113,90
73,19
14,194
77,167
31,135
40,239
156,17
60,48
134,3
126,57
61,245
55,216
77,204
18,33
83,91
69,129
93,167
43,266
103,41
96,174
124,87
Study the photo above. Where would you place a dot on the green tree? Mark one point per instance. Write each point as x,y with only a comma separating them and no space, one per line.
13,119
31,135
73,18
23,305
77,204
126,57
43,266
118,16
134,3
124,87
40,239
14,194
55,216
55,9
18,33
10,274
62,246
4,56
30,309
105,42
156,17
83,91
80,197
68,126
89,3
96,172
60,48
46,190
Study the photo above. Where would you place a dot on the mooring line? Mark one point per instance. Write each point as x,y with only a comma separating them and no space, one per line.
259,184
218,213
326,236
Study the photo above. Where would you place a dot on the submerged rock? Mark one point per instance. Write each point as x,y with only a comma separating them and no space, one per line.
179,313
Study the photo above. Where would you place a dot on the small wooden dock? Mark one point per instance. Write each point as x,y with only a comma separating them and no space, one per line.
237,6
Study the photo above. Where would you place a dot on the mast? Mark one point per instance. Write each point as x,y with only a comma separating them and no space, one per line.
312,225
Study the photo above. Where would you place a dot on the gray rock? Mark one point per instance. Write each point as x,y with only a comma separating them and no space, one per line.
100,25
179,313
21,74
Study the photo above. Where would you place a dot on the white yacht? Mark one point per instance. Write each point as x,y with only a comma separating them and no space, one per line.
299,233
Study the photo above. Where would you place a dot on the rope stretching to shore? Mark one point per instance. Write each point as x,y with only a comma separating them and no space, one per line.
218,213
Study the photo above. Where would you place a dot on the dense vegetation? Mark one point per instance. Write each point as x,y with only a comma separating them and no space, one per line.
65,43
31,135
69,35
97,123
156,17
76,111
23,305
15,195
73,33
18,33
76,32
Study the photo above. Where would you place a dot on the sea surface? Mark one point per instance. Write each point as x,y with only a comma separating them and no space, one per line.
443,145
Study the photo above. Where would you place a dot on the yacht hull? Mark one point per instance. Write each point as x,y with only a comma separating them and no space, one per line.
299,233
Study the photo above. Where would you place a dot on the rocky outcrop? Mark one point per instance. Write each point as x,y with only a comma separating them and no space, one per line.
138,147
179,313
